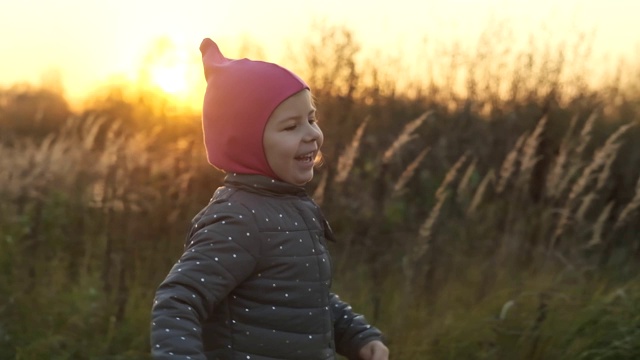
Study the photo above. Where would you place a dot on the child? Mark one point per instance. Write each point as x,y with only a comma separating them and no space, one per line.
254,279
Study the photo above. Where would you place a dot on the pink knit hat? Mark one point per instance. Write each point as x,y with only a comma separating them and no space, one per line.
240,97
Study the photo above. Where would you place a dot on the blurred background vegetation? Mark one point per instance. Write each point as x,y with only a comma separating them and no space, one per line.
488,211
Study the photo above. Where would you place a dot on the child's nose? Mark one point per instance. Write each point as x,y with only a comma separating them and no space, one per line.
315,134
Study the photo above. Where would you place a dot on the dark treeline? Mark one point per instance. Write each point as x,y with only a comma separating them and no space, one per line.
488,211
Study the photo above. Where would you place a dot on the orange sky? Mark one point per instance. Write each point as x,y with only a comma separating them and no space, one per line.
88,42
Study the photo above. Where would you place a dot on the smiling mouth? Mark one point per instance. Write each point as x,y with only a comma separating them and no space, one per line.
308,157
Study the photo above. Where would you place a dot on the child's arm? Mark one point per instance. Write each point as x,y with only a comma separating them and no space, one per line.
217,258
352,331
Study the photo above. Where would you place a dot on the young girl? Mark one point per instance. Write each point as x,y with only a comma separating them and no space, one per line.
254,279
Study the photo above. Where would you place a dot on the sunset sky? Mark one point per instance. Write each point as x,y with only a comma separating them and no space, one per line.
88,42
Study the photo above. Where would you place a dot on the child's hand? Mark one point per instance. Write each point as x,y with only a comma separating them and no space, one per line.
374,350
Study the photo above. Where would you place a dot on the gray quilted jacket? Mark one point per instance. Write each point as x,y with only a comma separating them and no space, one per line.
254,282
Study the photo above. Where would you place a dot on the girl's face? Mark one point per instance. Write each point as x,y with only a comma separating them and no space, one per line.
292,139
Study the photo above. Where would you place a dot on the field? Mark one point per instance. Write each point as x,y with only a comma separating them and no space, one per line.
491,211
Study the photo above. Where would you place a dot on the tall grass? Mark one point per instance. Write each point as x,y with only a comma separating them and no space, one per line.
499,221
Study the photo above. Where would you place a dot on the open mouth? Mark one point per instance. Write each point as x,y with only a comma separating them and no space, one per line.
308,157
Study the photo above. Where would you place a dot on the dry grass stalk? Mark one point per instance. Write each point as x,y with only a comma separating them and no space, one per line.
562,172
572,126
585,134
530,149
586,177
598,228
405,136
630,210
577,189
451,177
558,175
585,205
423,242
602,155
91,131
608,150
563,223
348,156
604,175
589,199
509,165
427,229
615,137
478,197
407,174
463,187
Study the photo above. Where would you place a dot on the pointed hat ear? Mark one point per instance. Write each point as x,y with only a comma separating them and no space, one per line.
211,56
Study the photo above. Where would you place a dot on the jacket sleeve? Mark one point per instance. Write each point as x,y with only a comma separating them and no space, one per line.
351,330
220,253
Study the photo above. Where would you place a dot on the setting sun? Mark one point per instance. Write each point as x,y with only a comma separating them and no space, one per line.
171,79
172,70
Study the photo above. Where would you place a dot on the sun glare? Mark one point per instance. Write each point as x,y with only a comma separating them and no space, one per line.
171,79
173,72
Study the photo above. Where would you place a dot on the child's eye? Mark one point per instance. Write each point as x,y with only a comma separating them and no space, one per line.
290,128
313,120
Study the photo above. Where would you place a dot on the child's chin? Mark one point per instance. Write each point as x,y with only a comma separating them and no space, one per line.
303,179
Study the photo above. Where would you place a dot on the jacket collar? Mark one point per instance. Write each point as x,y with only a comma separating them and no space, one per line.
267,186
263,185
